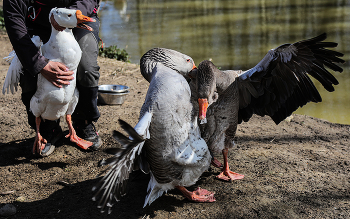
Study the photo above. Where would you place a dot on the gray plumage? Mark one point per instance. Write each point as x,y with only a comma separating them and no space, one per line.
276,87
168,138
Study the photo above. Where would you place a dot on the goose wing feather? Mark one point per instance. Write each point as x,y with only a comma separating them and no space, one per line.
170,105
16,68
280,82
113,184
13,73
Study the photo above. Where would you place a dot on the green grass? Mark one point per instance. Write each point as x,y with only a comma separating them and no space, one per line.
2,22
113,52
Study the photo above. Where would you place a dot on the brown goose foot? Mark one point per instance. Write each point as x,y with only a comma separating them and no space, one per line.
199,195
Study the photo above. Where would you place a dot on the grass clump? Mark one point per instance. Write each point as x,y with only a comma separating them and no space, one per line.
2,21
113,52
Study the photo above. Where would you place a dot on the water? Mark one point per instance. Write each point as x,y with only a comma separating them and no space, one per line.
234,34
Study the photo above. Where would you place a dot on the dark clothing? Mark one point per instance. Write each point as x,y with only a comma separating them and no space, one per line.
23,19
21,25
15,13
88,69
88,73
85,109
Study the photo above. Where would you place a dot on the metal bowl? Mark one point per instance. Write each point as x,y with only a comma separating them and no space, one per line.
112,88
111,98
112,94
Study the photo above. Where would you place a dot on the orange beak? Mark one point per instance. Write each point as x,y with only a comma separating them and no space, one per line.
194,67
203,106
81,19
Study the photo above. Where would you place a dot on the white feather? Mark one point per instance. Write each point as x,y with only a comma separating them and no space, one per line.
49,101
16,68
142,127
154,191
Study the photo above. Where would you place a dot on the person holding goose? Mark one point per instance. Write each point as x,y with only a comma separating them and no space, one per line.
23,19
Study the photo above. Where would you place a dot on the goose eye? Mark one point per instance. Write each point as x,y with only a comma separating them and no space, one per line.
70,15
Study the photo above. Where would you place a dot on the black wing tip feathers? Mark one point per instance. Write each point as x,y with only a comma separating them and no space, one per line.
302,59
113,185
130,130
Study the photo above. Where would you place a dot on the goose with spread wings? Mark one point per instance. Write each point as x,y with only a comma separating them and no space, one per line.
166,142
277,86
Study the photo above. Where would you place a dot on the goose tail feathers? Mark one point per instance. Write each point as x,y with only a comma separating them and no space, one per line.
113,185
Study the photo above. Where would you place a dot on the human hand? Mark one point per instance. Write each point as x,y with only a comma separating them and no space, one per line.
57,73
55,24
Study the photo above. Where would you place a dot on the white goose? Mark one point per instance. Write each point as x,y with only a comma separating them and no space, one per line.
50,102
167,140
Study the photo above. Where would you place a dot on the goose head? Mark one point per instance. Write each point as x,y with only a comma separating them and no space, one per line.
70,18
175,60
206,86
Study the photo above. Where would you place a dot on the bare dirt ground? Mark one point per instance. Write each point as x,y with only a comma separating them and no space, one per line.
298,169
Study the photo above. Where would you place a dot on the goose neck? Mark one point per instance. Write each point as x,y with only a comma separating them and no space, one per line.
63,33
222,80
147,67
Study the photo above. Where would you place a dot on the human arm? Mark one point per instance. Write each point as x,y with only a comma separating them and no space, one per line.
87,7
27,52
57,73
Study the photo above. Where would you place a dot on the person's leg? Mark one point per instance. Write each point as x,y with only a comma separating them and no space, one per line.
28,85
86,111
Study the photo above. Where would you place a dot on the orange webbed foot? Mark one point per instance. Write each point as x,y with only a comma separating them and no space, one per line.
199,195
39,144
203,195
229,176
84,144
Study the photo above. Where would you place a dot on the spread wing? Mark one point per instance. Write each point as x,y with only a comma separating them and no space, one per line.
281,79
13,73
16,68
113,185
